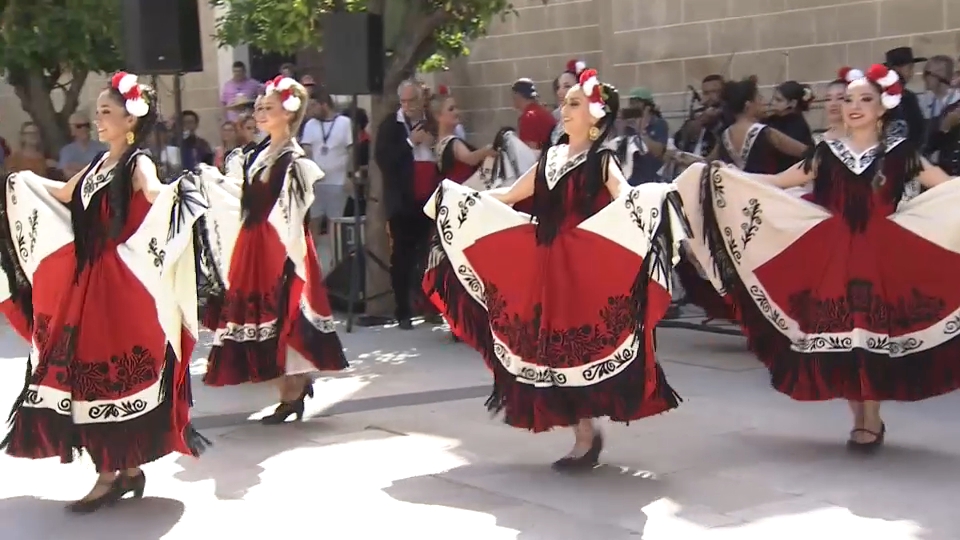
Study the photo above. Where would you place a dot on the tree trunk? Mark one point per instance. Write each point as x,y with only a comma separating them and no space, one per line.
34,93
415,46
378,281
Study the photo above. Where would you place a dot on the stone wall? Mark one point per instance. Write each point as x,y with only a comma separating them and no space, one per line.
667,44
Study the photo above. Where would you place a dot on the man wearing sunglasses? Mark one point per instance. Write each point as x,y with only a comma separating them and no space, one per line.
77,154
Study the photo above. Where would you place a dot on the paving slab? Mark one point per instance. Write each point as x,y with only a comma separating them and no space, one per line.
402,447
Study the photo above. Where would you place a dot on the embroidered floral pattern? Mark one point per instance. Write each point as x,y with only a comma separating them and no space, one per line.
858,163
560,347
837,314
559,163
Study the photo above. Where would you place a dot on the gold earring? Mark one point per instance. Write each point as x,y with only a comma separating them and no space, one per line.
594,133
130,137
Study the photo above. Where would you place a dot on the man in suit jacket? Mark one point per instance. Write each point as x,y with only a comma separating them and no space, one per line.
404,153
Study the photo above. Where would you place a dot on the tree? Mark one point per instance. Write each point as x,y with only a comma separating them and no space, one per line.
48,48
432,31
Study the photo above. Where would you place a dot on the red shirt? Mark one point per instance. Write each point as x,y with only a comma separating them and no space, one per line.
535,125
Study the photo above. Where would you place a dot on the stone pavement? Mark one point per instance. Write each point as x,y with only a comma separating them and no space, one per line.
402,447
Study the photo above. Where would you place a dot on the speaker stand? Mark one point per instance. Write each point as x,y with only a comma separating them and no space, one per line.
361,253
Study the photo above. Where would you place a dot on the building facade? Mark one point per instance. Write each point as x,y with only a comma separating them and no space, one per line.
666,45
663,45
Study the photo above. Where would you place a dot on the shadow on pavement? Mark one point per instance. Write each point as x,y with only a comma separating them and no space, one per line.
31,518
234,462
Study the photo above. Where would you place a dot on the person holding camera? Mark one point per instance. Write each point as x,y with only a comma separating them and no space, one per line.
643,119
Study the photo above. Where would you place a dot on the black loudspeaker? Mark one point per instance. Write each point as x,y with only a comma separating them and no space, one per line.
353,55
161,37
265,66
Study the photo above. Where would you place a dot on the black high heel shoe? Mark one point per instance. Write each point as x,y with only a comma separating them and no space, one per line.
89,506
286,409
587,461
867,447
133,484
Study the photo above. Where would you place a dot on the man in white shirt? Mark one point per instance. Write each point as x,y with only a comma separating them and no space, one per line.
328,139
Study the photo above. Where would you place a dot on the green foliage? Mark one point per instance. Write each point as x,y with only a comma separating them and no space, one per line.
59,36
286,26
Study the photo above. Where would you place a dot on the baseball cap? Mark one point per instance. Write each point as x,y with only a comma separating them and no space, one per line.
641,93
525,88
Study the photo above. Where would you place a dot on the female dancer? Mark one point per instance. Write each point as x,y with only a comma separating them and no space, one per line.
832,299
568,340
752,147
273,321
565,81
790,101
836,92
109,255
456,159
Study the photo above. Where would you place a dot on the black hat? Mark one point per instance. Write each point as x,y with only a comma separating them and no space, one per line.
525,88
901,56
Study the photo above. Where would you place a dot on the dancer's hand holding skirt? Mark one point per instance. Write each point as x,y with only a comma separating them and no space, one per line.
111,340
566,327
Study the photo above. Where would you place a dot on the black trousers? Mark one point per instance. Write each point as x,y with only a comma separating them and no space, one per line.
411,234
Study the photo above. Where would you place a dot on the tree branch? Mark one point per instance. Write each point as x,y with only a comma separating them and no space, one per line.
71,94
410,53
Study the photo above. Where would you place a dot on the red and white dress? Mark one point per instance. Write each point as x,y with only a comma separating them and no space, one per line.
564,319
830,292
273,317
756,155
113,317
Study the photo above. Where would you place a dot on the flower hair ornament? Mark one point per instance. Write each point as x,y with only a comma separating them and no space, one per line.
576,67
134,100
443,90
594,91
884,77
285,87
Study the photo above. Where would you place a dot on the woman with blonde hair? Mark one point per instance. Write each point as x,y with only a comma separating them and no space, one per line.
273,319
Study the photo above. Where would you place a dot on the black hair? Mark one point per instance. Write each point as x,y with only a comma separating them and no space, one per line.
556,83
90,232
239,64
794,91
189,112
360,118
714,77
736,95
597,159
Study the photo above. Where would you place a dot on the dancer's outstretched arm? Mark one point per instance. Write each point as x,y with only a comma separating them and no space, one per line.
520,190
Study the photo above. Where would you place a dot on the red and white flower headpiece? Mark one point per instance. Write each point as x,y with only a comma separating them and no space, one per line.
591,87
887,79
134,101
576,67
285,87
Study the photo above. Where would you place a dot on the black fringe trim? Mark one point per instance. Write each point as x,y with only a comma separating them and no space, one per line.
38,433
